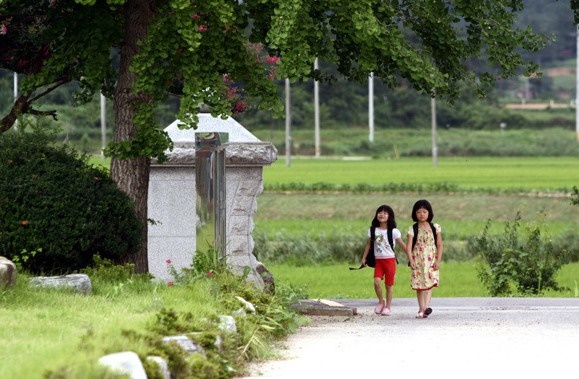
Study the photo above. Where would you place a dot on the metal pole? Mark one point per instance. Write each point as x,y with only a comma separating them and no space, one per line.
15,94
577,89
210,186
371,107
317,112
434,147
103,125
287,123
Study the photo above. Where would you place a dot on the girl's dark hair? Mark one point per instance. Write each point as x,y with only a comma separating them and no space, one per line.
391,222
422,204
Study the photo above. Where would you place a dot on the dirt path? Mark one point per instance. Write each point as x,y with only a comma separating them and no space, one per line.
463,338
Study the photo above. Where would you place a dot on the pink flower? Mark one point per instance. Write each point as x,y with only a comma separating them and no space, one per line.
3,29
209,274
202,28
169,284
168,261
272,60
195,16
239,107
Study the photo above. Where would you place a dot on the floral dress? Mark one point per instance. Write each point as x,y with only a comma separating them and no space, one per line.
424,277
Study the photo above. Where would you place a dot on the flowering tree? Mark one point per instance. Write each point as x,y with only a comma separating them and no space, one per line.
222,52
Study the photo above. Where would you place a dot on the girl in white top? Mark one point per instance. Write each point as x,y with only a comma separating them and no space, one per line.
384,252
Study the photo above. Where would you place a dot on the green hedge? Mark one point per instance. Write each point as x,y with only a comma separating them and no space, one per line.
56,210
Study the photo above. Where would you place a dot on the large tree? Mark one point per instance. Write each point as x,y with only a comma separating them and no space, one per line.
216,52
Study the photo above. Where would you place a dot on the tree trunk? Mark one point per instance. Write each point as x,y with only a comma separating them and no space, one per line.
132,175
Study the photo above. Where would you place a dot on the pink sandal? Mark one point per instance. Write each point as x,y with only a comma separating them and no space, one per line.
378,308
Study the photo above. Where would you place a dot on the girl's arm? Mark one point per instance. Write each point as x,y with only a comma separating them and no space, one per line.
409,251
400,242
366,250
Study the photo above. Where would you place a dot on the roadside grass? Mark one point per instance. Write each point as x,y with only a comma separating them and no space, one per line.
57,334
49,330
458,279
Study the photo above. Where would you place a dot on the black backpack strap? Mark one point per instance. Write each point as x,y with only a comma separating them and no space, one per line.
415,228
433,233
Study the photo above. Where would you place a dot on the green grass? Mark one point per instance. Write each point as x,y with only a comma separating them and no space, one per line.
461,215
457,279
46,329
541,173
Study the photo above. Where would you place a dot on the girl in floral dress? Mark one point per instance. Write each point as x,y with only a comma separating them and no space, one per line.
424,256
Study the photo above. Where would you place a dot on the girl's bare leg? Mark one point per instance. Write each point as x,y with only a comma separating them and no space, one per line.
389,292
378,289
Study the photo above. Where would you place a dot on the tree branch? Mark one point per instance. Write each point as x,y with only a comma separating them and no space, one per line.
23,105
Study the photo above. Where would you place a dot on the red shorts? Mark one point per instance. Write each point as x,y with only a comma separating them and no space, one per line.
386,268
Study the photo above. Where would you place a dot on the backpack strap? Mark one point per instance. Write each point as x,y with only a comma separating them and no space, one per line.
415,228
391,242
415,237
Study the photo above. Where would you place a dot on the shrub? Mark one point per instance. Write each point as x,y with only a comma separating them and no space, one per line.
510,260
57,206
575,196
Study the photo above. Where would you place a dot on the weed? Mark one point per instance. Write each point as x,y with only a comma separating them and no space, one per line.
528,263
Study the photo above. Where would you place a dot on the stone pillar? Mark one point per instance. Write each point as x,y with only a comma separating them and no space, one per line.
172,197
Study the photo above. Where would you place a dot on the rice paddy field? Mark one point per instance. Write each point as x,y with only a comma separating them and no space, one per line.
483,189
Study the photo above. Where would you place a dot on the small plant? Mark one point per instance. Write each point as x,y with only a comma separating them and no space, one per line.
511,263
575,196
20,259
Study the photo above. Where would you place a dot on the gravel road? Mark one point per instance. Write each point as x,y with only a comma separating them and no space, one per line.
463,338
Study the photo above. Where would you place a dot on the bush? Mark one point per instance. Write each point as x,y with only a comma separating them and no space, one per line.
56,210
509,260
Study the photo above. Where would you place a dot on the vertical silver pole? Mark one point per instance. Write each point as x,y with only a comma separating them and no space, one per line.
15,94
15,86
317,112
210,187
371,107
288,122
103,125
577,89
434,147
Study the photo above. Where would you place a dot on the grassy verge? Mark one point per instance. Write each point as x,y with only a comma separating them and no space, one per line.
56,334
458,279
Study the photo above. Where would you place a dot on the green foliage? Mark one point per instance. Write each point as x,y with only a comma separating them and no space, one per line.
137,320
55,204
575,196
512,263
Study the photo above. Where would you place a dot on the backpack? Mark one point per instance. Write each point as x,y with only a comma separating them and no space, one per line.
415,228
371,258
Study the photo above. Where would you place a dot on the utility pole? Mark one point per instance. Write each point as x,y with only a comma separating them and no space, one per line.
317,112
287,124
434,147
103,125
15,94
577,88
371,107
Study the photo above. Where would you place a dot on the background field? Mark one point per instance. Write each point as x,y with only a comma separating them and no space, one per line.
469,173
488,189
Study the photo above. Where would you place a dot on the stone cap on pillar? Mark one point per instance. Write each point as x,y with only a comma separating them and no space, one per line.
243,148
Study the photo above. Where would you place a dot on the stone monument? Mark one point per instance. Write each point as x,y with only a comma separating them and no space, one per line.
172,198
